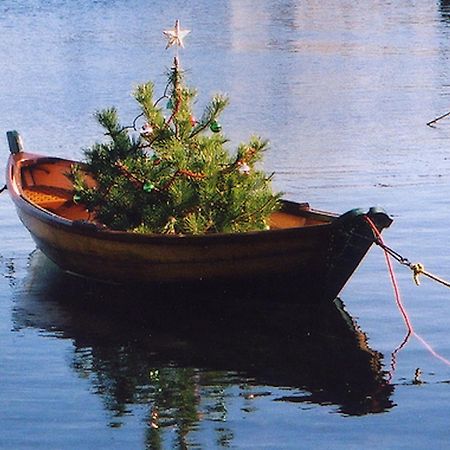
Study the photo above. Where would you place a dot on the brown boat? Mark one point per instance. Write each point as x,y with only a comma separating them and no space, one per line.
315,251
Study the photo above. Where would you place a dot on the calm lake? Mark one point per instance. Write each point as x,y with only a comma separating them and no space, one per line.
343,90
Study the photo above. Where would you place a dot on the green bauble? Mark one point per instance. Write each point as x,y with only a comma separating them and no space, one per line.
76,198
148,186
215,126
169,104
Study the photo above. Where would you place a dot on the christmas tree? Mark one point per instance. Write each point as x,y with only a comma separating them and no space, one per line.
176,177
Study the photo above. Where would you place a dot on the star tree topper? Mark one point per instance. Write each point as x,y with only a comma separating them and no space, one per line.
176,36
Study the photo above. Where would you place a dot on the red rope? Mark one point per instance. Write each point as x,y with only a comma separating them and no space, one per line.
400,305
398,298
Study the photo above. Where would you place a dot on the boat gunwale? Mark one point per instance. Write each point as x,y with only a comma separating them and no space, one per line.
90,229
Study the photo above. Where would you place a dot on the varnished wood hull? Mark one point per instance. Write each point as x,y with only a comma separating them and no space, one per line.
317,253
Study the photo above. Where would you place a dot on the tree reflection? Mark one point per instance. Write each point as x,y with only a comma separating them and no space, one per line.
187,355
444,7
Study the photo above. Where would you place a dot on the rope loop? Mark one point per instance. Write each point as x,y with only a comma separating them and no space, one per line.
416,268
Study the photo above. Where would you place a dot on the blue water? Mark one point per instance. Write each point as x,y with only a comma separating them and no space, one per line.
343,90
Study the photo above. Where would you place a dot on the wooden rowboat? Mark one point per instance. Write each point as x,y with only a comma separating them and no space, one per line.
317,251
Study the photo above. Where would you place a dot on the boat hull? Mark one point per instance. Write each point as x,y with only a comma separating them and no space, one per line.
317,259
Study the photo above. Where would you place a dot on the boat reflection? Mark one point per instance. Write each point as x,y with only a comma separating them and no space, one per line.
179,351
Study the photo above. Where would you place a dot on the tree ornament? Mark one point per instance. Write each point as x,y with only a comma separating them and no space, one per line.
148,186
76,198
146,130
215,126
169,104
175,36
155,159
244,169
193,120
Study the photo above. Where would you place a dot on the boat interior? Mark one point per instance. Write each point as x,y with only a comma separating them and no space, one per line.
44,183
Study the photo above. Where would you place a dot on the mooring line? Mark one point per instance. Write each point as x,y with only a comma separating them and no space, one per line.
416,268
409,326
419,269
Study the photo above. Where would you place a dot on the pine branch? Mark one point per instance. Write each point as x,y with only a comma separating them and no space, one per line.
252,152
144,96
212,112
108,118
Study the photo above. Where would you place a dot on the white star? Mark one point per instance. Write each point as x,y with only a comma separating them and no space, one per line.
175,36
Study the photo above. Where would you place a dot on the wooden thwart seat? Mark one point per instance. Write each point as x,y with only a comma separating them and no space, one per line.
56,200
47,197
